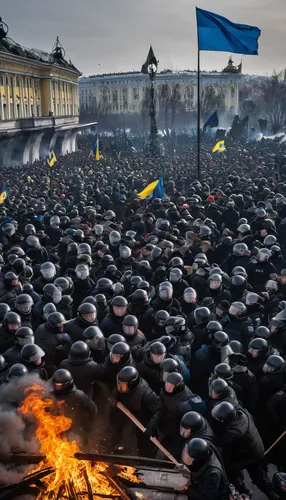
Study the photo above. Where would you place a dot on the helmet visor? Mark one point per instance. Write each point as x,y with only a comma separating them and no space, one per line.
122,386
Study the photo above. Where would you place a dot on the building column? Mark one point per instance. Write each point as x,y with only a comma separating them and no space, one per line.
2,109
21,98
8,100
14,101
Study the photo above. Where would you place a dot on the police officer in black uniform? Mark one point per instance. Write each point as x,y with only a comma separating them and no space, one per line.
86,316
50,336
24,335
80,364
208,479
134,392
242,447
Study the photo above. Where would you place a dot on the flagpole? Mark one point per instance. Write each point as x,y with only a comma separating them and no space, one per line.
198,117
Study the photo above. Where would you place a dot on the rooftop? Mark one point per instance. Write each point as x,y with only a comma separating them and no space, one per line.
56,57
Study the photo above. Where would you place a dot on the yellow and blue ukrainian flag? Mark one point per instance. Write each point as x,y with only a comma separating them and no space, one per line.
219,146
95,149
51,160
153,190
3,194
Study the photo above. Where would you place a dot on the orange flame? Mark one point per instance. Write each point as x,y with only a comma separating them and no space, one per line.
59,452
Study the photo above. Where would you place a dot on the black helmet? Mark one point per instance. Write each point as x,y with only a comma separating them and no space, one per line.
263,332
274,364
100,300
191,422
87,312
28,288
119,301
257,346
48,309
165,290
4,309
84,248
224,371
114,339
279,483
157,352
91,300
202,315
3,365
17,370
92,332
11,280
52,293
104,286
238,282
175,275
224,412
239,271
236,347
31,353
24,335
190,295
169,365
24,303
127,379
195,450
161,317
140,297
19,265
119,353
79,352
219,340
175,325
237,310
56,320
213,326
269,241
174,383
219,389
64,285
130,325
240,249
13,319
48,270
177,262
62,381
135,280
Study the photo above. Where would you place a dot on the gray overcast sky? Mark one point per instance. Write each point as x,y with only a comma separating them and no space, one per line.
114,35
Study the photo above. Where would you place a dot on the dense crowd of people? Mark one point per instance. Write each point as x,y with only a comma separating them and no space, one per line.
175,307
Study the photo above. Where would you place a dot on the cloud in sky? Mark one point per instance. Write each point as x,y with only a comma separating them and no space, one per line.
114,35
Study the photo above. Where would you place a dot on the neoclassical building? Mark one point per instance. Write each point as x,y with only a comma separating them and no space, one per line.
123,93
39,103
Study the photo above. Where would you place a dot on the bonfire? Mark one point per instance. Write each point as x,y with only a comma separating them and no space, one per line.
68,477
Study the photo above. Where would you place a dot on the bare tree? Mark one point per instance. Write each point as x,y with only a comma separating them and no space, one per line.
274,96
164,98
176,105
212,98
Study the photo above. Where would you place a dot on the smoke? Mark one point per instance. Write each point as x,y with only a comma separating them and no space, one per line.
17,433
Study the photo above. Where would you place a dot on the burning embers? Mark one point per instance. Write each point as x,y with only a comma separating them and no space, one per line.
70,478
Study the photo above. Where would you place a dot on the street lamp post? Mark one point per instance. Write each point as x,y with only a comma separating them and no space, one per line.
153,144
150,68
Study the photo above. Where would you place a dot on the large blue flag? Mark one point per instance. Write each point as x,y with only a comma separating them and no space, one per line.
219,34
